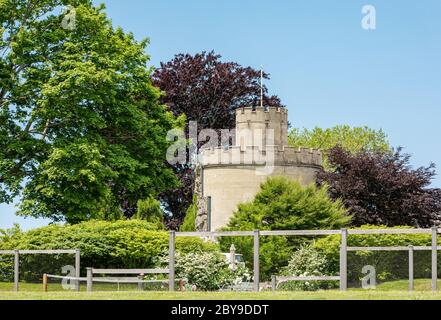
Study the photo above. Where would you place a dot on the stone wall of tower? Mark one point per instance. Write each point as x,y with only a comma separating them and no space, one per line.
228,186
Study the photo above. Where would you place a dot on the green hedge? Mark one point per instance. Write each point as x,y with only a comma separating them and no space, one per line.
120,244
389,265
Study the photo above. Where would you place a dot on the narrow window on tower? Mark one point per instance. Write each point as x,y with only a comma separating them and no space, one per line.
209,213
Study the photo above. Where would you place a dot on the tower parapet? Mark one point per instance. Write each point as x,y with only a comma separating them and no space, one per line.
253,155
265,120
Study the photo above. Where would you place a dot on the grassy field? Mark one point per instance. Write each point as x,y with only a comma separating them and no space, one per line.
388,291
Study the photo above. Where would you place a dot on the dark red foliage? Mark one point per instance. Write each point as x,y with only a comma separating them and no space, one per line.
208,91
382,188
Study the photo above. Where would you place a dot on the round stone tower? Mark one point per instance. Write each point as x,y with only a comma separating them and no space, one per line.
232,175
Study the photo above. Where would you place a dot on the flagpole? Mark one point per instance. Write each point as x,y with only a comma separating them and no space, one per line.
261,86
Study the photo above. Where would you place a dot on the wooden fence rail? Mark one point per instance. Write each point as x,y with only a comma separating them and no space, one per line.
17,254
344,249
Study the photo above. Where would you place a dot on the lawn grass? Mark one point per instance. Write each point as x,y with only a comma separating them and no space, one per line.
321,295
56,287
396,290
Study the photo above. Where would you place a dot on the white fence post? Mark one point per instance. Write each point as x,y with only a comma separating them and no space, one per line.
274,283
171,261
411,284
233,265
256,261
77,269
343,260
45,282
16,269
434,258
140,283
89,279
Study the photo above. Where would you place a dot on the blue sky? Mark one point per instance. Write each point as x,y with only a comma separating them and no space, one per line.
325,67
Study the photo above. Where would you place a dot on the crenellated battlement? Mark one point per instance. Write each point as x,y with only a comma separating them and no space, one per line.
253,155
261,149
271,121
259,114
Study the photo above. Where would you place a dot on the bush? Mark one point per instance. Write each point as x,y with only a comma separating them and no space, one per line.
307,262
390,265
120,244
208,271
283,204
189,223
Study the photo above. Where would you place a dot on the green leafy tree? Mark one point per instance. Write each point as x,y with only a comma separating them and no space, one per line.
352,139
82,134
283,204
150,210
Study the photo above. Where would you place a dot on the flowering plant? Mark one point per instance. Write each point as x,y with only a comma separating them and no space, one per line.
207,271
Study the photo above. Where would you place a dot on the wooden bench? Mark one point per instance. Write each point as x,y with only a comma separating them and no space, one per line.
90,279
